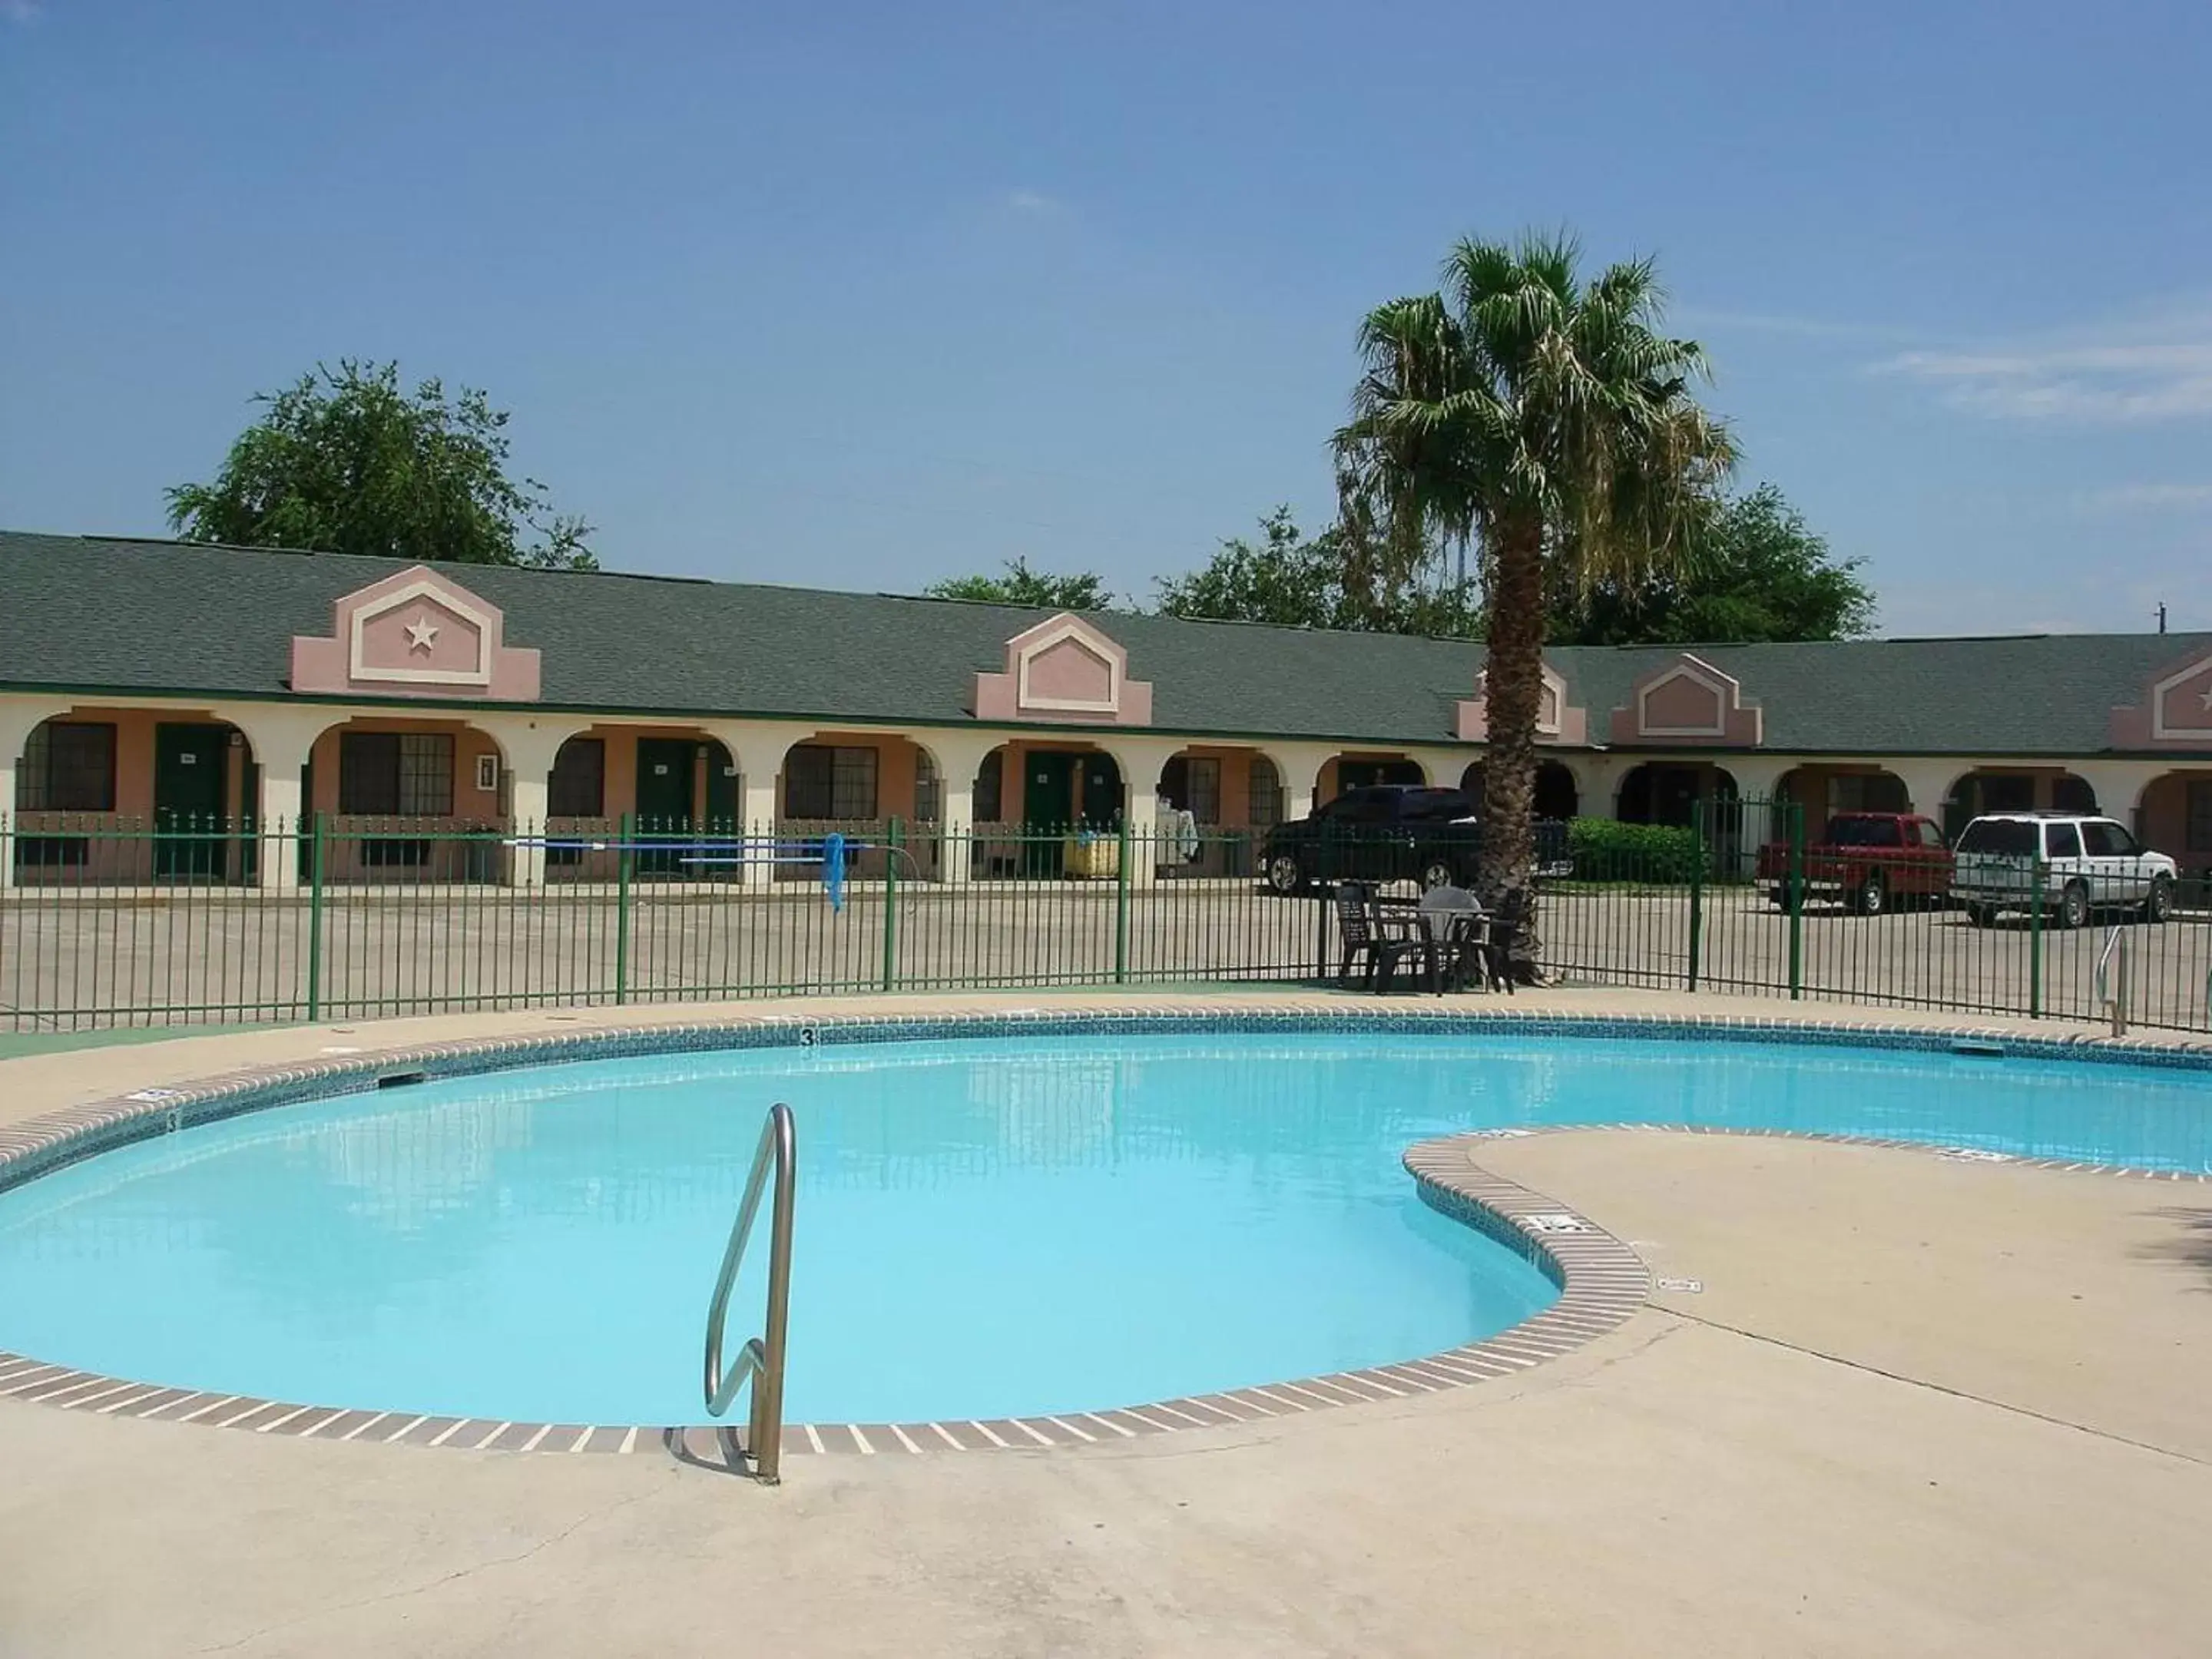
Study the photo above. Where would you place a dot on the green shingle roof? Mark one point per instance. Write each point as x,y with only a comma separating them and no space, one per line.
90,615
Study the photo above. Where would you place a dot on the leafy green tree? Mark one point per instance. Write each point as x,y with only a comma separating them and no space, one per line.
1292,581
1546,422
1084,591
344,461
1757,573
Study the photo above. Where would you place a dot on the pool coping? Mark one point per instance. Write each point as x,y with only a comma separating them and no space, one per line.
1601,1281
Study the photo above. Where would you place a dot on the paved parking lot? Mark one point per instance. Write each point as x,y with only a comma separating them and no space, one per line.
214,955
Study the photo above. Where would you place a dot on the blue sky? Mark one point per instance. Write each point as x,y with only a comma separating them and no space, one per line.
866,294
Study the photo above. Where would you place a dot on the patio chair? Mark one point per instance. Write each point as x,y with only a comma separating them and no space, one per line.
1455,923
1508,923
1365,941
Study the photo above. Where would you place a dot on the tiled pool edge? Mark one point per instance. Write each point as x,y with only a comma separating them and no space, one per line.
1602,1283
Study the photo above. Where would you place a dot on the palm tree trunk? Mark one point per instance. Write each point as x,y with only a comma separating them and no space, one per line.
1513,691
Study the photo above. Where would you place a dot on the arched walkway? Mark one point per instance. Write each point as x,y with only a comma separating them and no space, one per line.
1359,770
132,795
1667,792
2173,814
2014,789
1033,794
1557,797
1822,790
406,801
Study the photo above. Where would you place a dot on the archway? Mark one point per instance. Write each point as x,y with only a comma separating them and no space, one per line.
2173,814
1362,771
406,801
1233,795
1557,797
2014,789
175,796
1033,795
1667,792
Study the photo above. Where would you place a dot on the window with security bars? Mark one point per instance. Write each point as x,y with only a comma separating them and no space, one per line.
1193,783
2197,830
577,786
990,788
929,789
1263,806
406,774
822,782
69,766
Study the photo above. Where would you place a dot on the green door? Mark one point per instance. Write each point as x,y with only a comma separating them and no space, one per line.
722,809
664,801
190,837
721,790
1048,808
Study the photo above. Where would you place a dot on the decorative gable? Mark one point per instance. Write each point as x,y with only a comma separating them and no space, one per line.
416,633
1066,669
1688,701
2176,710
1557,722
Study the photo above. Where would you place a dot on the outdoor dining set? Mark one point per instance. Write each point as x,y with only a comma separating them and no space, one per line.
1445,938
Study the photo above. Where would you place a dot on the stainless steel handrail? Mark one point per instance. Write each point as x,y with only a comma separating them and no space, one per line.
2107,1003
761,1359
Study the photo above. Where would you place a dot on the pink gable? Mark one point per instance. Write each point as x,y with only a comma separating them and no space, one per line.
2175,712
1557,720
1065,668
1688,701
416,633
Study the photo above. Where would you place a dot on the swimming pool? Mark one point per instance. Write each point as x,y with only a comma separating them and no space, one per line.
986,1227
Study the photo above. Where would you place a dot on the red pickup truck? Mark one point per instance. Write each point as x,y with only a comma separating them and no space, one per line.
1868,859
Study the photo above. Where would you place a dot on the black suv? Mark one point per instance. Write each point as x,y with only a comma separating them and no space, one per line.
1392,832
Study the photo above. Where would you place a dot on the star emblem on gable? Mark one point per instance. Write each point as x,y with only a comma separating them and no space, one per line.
422,631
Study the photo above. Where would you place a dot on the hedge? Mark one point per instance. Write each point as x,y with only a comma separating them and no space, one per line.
1605,850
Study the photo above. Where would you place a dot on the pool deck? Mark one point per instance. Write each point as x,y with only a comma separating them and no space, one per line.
1919,1406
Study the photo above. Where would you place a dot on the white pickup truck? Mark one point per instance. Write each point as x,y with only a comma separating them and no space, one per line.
2088,864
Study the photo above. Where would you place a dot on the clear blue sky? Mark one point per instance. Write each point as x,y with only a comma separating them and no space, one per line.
865,295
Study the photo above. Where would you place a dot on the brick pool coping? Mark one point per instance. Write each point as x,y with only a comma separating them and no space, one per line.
1601,1281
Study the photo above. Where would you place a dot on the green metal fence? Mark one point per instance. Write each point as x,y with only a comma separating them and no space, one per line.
221,923
105,922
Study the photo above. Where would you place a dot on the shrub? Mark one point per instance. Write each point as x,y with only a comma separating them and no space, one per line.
1604,850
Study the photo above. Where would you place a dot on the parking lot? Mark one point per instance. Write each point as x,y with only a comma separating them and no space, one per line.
225,955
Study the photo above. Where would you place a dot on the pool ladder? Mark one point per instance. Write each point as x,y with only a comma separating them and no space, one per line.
761,1359
2113,989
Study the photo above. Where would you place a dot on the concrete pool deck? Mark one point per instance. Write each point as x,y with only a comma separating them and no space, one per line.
1919,1406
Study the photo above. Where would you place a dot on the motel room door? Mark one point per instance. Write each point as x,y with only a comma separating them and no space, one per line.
190,796
1048,808
664,801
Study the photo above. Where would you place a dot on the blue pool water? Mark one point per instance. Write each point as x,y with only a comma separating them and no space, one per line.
985,1228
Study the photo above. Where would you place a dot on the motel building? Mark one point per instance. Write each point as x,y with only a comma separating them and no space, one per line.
151,685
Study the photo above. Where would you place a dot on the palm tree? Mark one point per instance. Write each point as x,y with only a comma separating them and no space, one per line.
1545,423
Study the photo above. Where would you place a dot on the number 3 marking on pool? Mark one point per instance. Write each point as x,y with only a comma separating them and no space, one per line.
806,1037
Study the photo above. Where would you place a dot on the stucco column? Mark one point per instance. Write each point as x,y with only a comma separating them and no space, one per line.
2118,783
1445,767
528,746
1141,761
280,739
959,756
1597,780
758,747
1756,775
1300,765
1927,781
